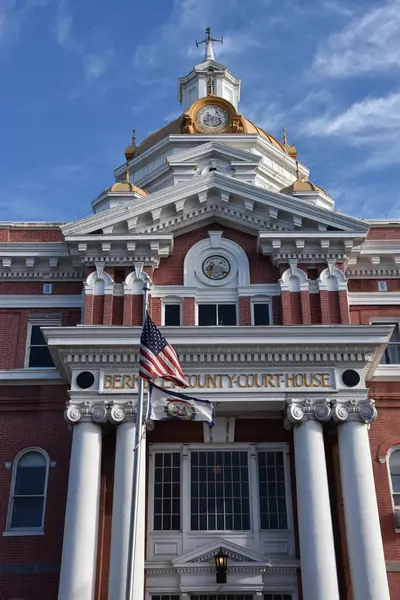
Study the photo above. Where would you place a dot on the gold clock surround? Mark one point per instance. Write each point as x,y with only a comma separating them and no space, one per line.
190,123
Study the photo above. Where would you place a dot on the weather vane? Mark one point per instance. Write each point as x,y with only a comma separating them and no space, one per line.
208,41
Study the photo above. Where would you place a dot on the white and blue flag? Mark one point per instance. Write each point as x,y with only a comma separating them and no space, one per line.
166,404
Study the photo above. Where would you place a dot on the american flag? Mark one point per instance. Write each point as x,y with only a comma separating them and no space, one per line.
157,358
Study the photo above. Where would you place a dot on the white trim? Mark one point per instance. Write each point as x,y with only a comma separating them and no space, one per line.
41,301
387,373
33,530
181,291
22,533
30,375
374,298
37,323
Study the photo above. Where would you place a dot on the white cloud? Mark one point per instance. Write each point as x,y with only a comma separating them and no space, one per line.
337,8
13,15
371,116
97,64
372,126
63,23
367,44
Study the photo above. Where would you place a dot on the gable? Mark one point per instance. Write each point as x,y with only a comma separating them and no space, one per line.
205,554
283,225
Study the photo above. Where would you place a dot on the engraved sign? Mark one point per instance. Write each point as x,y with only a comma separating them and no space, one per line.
266,381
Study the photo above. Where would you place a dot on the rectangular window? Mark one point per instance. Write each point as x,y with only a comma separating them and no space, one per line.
261,313
167,491
382,286
220,491
391,355
277,596
271,481
217,314
172,314
166,597
221,597
38,354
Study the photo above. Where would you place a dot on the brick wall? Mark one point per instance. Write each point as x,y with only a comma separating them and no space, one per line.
36,287
14,331
28,234
371,285
36,413
170,271
363,315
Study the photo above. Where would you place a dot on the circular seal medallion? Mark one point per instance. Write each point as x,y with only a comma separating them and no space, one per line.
178,409
216,267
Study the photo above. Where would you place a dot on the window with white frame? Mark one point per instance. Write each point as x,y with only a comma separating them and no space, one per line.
216,314
273,596
394,468
218,489
221,597
382,286
261,312
391,356
37,352
172,314
28,491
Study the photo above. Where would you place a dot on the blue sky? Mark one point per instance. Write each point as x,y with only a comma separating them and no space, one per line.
78,75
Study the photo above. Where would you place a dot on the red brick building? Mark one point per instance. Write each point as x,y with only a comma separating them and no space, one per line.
284,313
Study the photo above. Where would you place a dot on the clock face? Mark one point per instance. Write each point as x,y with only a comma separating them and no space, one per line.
212,117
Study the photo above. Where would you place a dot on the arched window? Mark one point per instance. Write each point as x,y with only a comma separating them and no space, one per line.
28,491
394,467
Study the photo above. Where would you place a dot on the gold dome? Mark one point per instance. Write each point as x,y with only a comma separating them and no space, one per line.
127,187
300,186
178,127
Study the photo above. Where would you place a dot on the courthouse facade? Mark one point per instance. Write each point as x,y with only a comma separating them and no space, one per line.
284,313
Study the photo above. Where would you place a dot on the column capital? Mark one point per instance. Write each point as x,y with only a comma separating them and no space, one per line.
306,409
363,411
86,412
121,413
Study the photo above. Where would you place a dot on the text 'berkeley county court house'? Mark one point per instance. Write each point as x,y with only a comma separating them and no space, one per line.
283,312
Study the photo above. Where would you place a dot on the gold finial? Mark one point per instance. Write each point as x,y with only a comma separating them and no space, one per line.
127,172
284,136
134,138
298,171
210,87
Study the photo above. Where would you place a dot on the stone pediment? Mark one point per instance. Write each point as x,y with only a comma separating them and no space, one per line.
214,148
145,229
205,554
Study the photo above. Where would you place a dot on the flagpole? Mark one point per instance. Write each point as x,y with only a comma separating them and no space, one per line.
136,456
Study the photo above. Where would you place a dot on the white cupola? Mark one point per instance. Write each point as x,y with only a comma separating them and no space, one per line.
208,76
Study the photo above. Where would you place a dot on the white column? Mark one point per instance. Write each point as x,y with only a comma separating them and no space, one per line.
122,499
79,555
363,532
317,550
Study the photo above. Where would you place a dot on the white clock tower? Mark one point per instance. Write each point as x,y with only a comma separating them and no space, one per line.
208,76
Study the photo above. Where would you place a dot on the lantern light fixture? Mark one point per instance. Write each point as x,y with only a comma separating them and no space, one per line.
221,565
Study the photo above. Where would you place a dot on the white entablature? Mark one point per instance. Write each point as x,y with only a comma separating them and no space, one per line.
273,168
286,227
